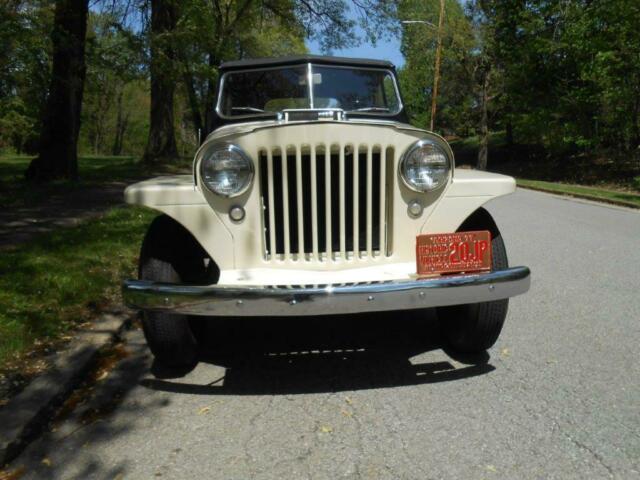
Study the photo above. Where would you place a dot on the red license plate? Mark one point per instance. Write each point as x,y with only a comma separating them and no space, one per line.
453,252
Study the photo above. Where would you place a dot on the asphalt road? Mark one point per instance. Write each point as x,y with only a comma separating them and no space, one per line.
378,398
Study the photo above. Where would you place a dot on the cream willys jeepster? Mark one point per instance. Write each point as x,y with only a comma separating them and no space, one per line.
314,196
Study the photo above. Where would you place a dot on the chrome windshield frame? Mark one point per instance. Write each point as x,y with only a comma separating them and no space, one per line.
310,94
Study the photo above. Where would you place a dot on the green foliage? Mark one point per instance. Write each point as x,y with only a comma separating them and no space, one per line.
572,72
564,75
115,107
24,70
208,33
16,124
49,285
455,98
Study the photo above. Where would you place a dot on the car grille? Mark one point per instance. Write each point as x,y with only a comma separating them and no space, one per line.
326,203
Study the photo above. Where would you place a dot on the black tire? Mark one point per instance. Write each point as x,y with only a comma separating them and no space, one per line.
170,254
474,328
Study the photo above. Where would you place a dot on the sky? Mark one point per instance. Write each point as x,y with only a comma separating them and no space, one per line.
384,50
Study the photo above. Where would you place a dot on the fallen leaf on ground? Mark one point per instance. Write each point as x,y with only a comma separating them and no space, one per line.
348,400
491,468
346,413
13,474
204,410
505,352
326,429
46,461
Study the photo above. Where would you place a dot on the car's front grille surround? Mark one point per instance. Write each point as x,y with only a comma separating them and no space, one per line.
326,203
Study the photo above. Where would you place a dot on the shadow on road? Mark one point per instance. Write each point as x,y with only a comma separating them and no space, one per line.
319,354
252,356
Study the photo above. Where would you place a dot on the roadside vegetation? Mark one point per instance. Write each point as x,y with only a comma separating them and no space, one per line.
65,278
95,171
609,177
559,80
589,193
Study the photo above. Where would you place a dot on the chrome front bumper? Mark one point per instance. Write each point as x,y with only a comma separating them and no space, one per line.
249,301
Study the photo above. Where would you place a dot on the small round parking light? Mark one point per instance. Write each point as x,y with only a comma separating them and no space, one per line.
236,213
415,208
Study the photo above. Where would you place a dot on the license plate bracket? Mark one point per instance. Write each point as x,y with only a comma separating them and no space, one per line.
458,252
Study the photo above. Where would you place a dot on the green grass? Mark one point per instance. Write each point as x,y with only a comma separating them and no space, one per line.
93,171
592,193
58,280
53,283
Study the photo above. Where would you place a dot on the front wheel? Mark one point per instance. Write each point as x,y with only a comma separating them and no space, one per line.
170,255
475,327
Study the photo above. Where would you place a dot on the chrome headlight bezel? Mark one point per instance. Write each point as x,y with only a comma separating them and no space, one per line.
410,151
207,155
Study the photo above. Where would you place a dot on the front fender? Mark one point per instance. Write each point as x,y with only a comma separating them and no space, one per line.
469,190
178,197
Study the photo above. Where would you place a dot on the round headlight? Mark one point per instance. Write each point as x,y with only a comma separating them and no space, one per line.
226,170
425,166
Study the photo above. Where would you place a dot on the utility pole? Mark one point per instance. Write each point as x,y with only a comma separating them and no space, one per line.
436,75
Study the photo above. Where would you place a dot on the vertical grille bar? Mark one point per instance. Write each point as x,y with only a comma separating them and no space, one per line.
314,204
343,233
356,199
299,187
285,201
369,201
327,196
383,197
272,217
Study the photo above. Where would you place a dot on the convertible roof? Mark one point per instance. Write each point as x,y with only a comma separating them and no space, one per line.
301,59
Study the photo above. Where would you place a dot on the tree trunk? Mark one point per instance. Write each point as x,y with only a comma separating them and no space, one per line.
194,104
509,137
161,144
636,123
122,122
483,152
58,152
96,136
210,99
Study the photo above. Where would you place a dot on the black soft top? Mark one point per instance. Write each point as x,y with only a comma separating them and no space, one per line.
300,59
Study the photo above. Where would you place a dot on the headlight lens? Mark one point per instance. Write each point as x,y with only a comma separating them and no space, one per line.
425,166
226,170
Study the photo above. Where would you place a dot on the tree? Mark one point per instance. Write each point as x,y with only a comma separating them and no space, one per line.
417,75
114,60
58,156
161,144
485,70
211,31
25,50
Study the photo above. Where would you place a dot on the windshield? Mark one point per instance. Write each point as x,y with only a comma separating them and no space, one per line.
269,91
